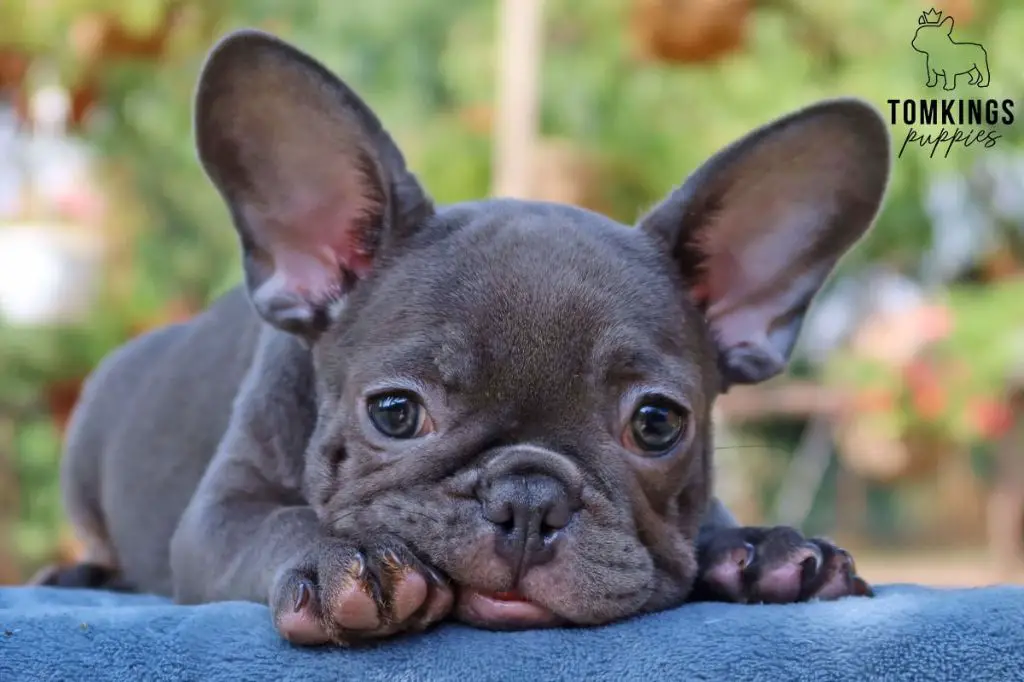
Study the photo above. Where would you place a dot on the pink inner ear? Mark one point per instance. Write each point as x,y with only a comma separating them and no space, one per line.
728,290
755,269
315,240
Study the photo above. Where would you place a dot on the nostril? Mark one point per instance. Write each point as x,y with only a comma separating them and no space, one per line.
556,517
500,514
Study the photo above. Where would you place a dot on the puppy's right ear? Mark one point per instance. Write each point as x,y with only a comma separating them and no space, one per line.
758,228
315,185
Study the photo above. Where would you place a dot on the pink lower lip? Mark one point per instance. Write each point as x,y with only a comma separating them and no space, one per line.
510,612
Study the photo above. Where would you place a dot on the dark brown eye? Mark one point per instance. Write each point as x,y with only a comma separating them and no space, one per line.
397,415
656,426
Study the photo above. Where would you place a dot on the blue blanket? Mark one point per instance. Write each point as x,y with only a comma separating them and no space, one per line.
906,633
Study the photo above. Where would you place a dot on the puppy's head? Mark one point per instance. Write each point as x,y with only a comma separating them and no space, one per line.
522,391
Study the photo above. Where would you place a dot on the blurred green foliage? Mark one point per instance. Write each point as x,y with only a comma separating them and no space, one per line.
423,65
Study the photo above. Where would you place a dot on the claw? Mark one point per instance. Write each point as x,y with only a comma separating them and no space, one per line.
815,555
748,558
849,559
391,558
435,577
861,588
302,594
357,569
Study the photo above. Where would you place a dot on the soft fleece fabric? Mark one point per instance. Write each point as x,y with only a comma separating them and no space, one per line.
905,633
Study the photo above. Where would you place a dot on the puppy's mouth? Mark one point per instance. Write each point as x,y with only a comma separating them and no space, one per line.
502,610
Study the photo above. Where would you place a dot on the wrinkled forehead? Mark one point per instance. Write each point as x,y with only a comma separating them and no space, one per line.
528,298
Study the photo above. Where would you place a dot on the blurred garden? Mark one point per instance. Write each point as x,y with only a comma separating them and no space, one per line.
900,427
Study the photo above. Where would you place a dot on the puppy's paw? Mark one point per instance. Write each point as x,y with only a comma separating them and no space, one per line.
83,575
351,593
775,566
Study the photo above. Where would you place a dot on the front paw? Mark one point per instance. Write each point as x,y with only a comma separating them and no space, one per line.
773,565
350,592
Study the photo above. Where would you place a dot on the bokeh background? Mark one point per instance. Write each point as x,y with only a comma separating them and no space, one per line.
900,428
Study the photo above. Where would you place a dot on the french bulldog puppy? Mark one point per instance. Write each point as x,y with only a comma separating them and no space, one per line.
498,410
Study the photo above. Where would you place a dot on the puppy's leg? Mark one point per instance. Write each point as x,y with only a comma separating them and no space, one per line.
769,564
250,534
245,538
80,472
82,575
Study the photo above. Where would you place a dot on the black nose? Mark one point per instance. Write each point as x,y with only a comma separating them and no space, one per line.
527,512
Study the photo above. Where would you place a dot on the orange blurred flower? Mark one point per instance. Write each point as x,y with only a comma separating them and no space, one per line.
991,417
929,401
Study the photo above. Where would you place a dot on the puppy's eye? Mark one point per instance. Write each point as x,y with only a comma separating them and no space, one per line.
656,426
398,415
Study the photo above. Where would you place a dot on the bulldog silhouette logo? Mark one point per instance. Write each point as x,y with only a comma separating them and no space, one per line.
946,58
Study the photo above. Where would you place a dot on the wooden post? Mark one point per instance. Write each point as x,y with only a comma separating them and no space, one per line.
805,474
520,32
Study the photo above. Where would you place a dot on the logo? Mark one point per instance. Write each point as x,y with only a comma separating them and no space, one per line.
948,123
944,57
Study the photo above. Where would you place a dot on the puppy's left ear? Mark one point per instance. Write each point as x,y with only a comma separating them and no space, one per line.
317,189
757,229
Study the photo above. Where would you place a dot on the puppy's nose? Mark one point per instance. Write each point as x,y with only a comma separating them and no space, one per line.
527,511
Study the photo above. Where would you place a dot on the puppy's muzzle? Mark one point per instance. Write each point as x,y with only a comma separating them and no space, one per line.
529,495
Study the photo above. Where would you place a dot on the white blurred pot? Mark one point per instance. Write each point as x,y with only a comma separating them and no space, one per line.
49,274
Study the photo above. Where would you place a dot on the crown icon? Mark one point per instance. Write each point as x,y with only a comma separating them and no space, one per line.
929,17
